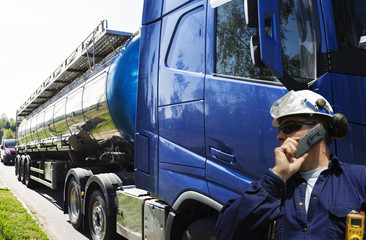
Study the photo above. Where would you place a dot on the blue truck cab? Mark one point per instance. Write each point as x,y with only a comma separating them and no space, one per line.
203,128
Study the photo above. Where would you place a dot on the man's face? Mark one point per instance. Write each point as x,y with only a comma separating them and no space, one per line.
281,137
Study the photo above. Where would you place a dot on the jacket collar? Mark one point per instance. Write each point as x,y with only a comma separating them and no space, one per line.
334,166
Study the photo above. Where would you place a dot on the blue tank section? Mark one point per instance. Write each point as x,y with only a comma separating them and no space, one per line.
121,89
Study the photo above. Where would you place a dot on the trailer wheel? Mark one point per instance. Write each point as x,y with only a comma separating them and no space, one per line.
201,229
74,203
16,167
19,166
27,179
21,170
102,226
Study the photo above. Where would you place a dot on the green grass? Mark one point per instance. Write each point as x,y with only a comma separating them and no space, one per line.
15,221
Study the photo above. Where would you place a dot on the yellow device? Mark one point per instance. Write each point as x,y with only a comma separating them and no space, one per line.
355,223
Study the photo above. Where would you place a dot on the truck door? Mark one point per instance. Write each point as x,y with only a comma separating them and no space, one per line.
181,100
240,139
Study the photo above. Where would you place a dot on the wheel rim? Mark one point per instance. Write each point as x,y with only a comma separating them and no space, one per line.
74,205
99,220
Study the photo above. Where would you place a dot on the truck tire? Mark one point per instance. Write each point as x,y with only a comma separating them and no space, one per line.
27,172
201,229
102,226
74,203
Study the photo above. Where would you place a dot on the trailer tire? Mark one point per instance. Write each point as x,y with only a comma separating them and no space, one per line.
19,165
16,166
21,171
74,203
201,229
102,226
27,172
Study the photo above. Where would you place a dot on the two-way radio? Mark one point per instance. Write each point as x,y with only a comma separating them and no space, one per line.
311,138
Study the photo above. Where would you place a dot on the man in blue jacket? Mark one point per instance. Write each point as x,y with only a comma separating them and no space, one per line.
307,197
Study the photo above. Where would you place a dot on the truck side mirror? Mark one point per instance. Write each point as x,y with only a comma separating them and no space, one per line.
251,13
251,19
266,49
255,52
270,36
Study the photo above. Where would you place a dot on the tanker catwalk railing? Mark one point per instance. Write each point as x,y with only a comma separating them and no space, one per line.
100,43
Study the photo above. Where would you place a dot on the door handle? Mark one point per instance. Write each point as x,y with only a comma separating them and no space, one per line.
228,157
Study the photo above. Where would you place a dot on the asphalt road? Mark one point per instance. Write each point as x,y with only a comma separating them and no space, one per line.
45,204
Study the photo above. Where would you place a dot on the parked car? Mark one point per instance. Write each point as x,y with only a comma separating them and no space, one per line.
8,152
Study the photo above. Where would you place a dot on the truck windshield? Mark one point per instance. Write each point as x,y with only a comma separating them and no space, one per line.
350,21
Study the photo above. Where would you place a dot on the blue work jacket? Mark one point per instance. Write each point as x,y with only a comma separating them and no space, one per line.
273,209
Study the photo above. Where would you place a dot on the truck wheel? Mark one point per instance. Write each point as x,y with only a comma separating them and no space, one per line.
102,226
201,229
27,179
74,203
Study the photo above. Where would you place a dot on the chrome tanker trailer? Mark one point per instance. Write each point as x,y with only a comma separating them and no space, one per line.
81,122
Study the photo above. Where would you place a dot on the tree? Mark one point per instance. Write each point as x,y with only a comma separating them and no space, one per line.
8,134
12,124
7,127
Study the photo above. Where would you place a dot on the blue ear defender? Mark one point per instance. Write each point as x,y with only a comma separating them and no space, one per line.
338,126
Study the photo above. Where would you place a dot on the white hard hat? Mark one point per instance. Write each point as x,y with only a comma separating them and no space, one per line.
300,102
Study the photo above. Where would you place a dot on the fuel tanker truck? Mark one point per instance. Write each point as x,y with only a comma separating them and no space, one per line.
149,134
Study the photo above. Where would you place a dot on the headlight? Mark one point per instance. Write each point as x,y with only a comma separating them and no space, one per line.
7,152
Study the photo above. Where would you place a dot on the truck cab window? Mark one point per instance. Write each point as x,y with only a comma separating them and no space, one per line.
233,43
298,38
187,48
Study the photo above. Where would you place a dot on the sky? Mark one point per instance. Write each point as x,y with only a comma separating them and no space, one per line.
36,36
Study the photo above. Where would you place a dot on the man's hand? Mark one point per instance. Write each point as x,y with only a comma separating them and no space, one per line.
286,163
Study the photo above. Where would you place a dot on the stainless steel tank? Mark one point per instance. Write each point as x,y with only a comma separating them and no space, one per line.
93,115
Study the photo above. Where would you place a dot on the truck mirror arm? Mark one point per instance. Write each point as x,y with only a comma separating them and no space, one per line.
291,84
